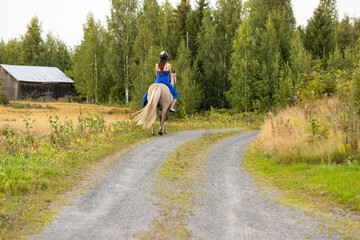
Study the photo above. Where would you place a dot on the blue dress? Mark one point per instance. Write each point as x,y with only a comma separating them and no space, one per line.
164,80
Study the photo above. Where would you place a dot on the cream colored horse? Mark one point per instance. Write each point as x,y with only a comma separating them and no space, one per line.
159,97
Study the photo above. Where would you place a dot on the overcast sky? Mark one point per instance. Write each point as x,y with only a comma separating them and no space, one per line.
66,18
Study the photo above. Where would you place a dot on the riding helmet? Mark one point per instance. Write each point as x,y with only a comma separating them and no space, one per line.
164,55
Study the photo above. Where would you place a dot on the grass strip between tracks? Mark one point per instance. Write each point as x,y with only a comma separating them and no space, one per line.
178,186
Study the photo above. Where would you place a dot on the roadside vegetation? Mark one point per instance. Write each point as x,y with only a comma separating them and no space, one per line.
311,153
314,136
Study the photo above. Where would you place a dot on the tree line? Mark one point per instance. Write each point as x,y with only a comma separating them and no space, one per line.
248,56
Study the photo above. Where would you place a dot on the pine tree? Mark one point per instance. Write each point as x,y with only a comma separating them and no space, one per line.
209,64
244,70
182,14
271,60
182,11
194,23
32,43
345,34
336,61
214,49
320,30
227,19
356,25
300,59
282,18
286,91
190,94
259,11
340,61
169,36
271,25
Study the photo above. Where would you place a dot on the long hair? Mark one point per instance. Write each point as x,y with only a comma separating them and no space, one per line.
161,65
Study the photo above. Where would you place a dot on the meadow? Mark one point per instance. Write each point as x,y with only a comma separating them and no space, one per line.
12,116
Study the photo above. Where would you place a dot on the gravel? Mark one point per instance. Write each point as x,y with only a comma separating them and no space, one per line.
119,206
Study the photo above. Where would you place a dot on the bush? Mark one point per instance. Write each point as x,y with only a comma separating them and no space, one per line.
79,99
4,99
34,95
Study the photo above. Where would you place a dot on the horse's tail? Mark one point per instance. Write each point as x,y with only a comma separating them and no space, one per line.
147,115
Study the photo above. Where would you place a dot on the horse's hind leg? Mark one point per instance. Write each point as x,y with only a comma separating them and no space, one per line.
162,122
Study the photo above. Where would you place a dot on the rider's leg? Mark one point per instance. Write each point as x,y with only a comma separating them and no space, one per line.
172,105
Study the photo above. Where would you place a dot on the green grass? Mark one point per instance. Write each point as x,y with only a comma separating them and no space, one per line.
324,187
37,171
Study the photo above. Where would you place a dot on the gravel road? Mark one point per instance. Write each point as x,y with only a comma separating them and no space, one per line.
233,208
119,206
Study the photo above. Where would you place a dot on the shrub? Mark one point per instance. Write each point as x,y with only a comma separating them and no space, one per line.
4,99
34,95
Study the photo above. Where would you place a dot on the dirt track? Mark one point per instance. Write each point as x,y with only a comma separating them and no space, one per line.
233,208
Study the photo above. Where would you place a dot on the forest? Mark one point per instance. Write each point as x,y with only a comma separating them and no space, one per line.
247,56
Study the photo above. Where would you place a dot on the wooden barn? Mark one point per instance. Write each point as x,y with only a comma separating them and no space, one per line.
22,81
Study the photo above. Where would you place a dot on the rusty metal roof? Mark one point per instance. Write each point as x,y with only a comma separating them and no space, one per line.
37,74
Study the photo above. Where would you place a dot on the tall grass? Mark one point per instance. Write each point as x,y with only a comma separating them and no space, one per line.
316,132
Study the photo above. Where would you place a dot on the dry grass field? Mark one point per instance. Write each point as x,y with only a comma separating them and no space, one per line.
40,111
312,133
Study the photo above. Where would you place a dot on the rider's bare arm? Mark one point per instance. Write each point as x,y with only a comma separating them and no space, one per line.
170,72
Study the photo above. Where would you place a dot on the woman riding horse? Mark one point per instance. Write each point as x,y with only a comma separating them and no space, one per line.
163,75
